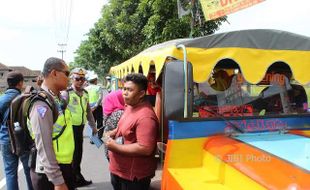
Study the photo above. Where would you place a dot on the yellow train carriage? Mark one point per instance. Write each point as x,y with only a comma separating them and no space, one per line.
233,109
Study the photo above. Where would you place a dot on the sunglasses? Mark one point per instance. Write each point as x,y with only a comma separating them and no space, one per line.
79,79
67,73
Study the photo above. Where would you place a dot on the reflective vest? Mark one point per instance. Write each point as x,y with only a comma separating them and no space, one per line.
63,139
94,94
78,105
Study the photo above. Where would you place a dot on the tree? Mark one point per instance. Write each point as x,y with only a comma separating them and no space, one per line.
129,26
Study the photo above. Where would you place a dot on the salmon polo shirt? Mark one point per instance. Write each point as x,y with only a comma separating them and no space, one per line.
137,124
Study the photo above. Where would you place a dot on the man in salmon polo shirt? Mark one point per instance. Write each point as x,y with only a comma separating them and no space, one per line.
132,144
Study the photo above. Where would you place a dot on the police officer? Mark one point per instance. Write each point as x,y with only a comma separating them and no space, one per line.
95,93
53,168
78,103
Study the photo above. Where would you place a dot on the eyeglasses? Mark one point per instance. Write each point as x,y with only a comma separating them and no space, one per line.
79,79
67,73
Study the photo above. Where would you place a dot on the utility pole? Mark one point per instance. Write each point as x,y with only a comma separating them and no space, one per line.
193,13
62,49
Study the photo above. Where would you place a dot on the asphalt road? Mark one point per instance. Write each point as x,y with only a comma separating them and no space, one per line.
94,167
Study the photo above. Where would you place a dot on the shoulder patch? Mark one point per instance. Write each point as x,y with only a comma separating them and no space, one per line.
41,110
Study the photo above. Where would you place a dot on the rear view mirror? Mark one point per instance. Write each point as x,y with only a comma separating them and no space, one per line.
174,90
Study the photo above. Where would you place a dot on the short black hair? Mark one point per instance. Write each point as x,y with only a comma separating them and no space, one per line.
13,78
52,63
281,68
139,79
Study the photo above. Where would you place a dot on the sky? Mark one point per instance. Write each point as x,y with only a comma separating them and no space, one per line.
30,30
292,16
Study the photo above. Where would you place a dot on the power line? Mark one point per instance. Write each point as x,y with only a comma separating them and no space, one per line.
62,49
62,10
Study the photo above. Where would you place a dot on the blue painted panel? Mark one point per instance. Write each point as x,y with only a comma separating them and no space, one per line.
184,130
198,128
293,148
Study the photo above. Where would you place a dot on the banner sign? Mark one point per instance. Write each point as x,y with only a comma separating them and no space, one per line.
213,9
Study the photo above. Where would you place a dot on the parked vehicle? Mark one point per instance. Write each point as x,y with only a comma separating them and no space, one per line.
233,109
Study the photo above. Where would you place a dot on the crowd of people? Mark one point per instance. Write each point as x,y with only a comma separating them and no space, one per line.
123,119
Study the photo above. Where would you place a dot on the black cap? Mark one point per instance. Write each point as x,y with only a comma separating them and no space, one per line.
13,78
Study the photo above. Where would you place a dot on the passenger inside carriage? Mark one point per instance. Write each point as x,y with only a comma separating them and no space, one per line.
153,86
226,94
282,96
219,96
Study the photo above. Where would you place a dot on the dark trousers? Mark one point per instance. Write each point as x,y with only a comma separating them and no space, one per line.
78,151
98,115
119,183
40,181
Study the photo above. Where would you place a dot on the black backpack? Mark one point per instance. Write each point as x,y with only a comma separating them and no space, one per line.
21,140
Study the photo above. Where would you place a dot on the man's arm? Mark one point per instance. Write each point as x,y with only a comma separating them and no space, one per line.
41,119
65,95
134,149
91,119
146,133
100,96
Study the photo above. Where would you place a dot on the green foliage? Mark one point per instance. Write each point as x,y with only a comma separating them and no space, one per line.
129,26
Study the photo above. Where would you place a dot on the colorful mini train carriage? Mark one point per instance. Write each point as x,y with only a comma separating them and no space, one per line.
233,109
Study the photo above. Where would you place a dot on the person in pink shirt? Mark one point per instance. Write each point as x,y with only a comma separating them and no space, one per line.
132,145
113,108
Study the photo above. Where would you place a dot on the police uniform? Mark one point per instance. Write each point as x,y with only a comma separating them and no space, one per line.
95,94
78,104
54,157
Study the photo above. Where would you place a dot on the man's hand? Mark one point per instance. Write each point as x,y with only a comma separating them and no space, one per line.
61,187
111,134
94,130
110,143
93,108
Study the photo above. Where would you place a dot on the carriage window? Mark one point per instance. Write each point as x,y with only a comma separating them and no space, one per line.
227,94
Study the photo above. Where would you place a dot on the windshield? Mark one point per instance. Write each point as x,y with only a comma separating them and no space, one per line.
227,94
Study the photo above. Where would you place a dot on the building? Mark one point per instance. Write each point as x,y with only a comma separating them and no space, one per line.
29,75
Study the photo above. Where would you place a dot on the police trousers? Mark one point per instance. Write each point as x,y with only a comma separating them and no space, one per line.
40,181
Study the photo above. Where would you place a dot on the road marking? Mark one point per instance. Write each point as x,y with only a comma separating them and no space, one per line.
3,182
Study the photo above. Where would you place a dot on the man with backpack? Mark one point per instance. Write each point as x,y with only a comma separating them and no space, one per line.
15,82
78,103
53,135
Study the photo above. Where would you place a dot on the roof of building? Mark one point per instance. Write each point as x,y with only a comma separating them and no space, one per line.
25,71
4,67
37,72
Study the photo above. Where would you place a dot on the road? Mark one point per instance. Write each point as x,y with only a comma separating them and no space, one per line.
94,167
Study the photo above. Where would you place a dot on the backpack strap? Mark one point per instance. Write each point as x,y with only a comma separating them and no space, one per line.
45,97
85,91
29,89
5,116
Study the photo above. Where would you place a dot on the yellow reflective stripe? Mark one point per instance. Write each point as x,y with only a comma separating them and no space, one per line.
56,129
72,108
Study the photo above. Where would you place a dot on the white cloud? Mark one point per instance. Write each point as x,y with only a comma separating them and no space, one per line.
30,12
291,16
7,34
29,33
